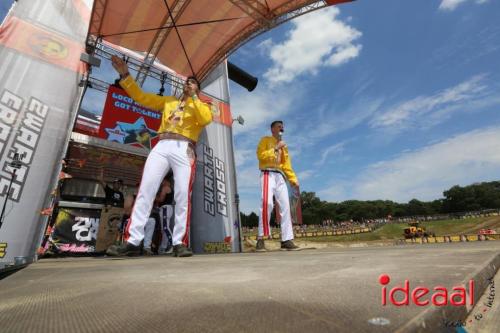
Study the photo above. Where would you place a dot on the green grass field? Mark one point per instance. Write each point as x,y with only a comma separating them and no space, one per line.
440,228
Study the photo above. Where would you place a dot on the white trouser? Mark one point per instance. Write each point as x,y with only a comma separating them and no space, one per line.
166,213
274,184
166,154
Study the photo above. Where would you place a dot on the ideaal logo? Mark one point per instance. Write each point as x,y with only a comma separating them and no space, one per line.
457,296
3,249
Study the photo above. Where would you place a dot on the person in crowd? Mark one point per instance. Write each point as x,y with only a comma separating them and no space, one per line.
114,194
160,217
166,204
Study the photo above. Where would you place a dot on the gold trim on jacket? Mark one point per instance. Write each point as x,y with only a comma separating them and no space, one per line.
189,120
269,159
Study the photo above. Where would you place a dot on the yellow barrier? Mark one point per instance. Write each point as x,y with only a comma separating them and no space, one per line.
493,237
450,239
437,239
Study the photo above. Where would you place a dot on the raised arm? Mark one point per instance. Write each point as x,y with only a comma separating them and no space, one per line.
149,100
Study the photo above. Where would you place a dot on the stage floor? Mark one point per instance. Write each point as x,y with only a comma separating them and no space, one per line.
329,290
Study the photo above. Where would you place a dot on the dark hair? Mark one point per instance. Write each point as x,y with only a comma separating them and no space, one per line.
276,122
192,77
118,181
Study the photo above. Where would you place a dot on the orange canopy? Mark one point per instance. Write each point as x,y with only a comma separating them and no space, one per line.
191,36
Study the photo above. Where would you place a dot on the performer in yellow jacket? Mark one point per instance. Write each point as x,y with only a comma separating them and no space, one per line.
182,121
276,167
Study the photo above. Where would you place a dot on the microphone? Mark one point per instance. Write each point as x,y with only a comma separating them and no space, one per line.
280,135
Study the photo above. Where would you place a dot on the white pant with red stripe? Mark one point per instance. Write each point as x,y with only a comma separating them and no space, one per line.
166,154
274,184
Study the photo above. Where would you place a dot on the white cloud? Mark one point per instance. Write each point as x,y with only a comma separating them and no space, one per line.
261,107
328,119
265,46
450,5
344,55
434,108
316,40
425,173
249,178
243,156
337,119
306,174
331,150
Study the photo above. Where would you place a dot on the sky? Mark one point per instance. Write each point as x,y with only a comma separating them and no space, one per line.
385,99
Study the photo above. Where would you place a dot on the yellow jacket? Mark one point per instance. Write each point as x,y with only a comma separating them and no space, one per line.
195,116
268,158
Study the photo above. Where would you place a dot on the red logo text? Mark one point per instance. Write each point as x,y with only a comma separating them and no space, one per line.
422,296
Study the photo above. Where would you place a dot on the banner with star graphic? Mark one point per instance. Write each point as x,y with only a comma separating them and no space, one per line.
124,121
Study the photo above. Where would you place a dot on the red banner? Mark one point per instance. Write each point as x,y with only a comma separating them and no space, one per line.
127,122
124,121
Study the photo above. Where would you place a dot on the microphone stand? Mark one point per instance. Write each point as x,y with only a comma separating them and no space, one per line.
15,164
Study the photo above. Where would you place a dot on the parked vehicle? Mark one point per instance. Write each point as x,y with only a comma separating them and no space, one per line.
415,230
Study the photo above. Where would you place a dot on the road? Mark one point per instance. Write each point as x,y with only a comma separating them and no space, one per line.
327,290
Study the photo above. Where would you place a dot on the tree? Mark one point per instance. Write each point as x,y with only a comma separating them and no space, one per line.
416,207
311,208
250,221
456,199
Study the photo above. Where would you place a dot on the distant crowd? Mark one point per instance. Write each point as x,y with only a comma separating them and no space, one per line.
453,216
331,225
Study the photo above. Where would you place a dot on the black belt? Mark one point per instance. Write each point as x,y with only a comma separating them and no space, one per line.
272,170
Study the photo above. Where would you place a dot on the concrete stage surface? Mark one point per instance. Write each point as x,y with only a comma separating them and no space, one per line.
328,290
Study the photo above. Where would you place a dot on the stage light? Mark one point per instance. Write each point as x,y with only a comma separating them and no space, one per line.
240,120
241,77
